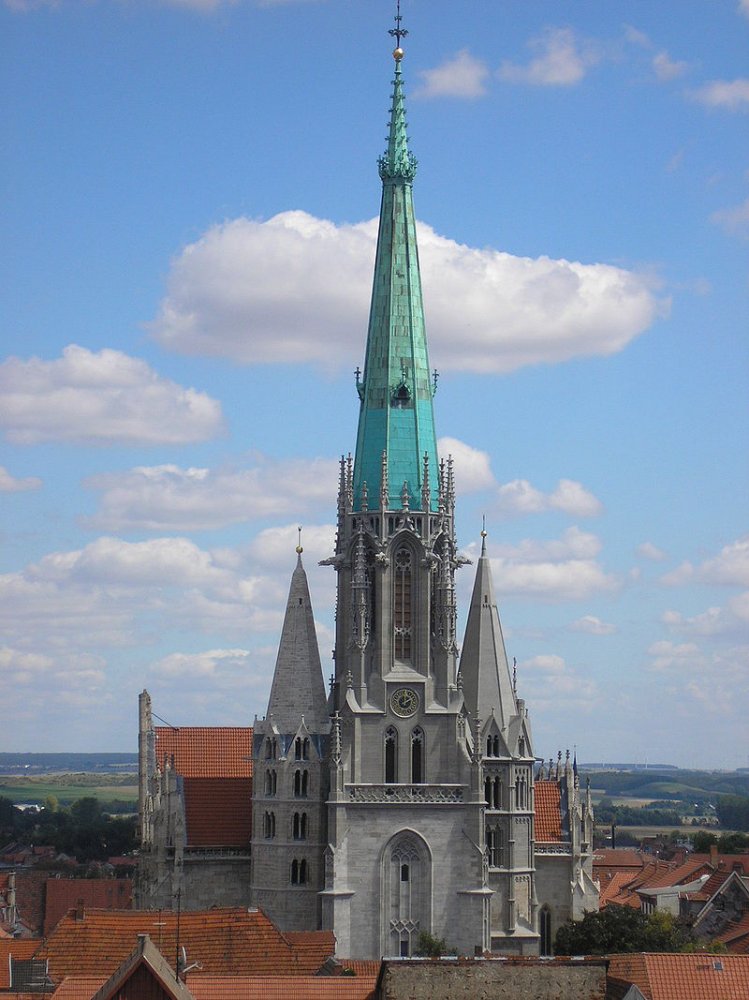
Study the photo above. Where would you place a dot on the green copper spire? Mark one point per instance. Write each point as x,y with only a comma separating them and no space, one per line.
396,419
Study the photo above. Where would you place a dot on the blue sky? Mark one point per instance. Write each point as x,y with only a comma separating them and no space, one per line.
189,191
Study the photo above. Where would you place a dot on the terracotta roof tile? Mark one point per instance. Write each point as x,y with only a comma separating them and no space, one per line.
218,812
228,941
617,857
685,977
77,988
613,888
736,936
311,949
274,988
18,948
102,893
687,872
548,812
206,751
361,966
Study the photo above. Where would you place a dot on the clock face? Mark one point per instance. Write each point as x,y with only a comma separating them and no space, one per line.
404,702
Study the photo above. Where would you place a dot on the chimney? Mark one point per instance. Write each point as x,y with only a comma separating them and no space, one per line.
714,855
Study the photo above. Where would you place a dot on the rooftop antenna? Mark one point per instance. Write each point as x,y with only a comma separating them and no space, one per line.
397,32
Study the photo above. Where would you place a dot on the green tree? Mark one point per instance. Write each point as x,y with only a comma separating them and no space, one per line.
431,946
702,841
733,811
618,929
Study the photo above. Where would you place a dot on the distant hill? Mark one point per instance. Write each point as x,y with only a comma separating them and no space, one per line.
51,763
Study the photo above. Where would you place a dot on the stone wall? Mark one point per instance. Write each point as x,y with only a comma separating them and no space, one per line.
509,979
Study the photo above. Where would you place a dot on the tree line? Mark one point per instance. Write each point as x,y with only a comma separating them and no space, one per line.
82,831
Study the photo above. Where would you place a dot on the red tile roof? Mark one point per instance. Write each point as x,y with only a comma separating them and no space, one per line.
274,988
206,751
688,872
736,936
102,893
228,941
548,812
18,948
684,977
361,966
218,812
77,988
617,857
311,948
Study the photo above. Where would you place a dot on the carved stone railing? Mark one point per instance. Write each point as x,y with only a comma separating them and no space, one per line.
405,793
552,848
215,853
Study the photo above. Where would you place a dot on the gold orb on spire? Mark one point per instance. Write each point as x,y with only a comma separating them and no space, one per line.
299,548
398,54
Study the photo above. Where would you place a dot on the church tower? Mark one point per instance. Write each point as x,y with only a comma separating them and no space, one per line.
290,747
406,811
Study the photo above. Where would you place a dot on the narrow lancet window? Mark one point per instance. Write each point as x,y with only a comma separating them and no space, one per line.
417,756
402,604
391,756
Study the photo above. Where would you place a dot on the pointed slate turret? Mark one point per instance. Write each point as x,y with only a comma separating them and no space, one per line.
396,419
298,689
487,684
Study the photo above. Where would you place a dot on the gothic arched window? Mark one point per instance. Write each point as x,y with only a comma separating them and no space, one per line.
269,825
298,872
407,906
391,756
417,756
402,604
544,928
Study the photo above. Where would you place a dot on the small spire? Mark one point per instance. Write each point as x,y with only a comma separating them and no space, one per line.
483,535
299,548
398,162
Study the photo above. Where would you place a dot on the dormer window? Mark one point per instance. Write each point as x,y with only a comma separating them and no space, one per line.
401,396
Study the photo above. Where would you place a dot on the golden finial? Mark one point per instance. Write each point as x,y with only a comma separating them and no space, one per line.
299,548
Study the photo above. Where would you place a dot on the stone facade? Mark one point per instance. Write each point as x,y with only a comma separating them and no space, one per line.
502,980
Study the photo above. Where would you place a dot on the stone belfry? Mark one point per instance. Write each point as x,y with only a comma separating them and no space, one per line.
406,809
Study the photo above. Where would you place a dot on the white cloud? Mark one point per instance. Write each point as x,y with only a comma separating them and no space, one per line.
170,498
733,95
667,68
103,397
731,619
9,484
548,682
729,568
716,680
562,60
669,655
205,665
556,569
472,466
593,626
570,497
637,37
462,76
733,220
291,289
650,551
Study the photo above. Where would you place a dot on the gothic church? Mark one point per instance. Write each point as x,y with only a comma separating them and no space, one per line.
407,800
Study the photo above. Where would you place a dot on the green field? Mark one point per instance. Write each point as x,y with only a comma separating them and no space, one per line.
67,788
